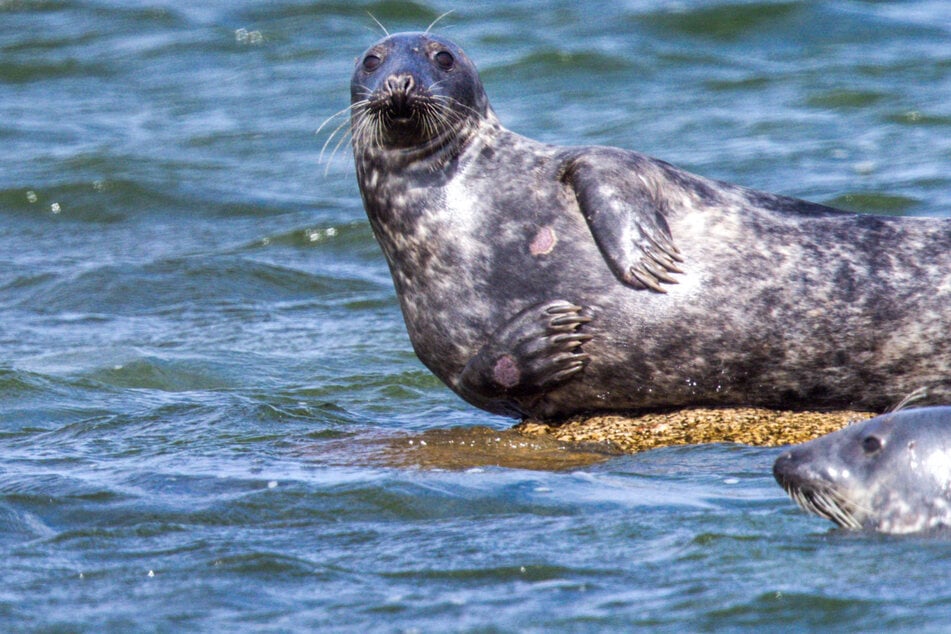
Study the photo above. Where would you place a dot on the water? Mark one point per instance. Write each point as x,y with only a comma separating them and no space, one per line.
210,413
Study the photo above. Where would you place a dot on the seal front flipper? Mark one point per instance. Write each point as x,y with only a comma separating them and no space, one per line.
617,198
536,350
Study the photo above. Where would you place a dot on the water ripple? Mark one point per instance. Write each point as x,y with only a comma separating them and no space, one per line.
211,416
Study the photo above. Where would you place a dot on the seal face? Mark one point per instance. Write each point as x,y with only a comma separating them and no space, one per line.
890,474
538,280
411,96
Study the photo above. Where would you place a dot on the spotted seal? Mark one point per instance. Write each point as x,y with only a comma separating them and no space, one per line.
891,473
544,281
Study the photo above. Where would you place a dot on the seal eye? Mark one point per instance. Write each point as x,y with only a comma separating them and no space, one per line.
445,60
871,444
371,63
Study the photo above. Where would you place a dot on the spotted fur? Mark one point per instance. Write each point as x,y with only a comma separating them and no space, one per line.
688,291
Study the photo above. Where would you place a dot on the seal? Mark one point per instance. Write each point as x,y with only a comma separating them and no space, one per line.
890,474
545,281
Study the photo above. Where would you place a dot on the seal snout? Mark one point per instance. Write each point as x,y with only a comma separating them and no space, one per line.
795,468
784,470
402,83
397,95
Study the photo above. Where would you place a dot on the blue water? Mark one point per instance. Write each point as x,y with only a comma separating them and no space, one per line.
211,415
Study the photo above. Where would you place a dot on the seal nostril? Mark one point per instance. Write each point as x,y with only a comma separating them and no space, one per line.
400,83
399,89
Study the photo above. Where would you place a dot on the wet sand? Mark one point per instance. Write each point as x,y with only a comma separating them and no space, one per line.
580,442
749,426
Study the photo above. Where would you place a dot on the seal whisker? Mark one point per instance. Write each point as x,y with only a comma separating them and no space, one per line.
379,24
376,123
916,395
343,139
330,138
359,122
433,23
346,125
337,114
366,130
453,103
837,509
446,117
439,110
367,127
824,499
450,105
349,109
434,120
367,91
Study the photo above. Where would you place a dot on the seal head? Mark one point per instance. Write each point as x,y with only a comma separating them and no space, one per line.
414,91
890,474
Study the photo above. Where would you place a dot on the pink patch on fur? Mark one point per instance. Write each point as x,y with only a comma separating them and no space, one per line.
506,371
543,242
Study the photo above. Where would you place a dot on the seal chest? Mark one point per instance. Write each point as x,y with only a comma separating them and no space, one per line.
546,281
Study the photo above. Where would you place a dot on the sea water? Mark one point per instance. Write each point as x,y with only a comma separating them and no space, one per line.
211,417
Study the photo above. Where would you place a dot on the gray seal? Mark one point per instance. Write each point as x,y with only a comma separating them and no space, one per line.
545,281
890,474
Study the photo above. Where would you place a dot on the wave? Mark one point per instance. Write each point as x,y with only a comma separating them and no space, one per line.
169,286
726,21
876,203
97,200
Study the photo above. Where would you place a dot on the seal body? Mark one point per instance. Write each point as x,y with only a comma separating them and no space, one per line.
891,473
545,281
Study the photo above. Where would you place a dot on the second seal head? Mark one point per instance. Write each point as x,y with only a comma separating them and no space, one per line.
890,474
